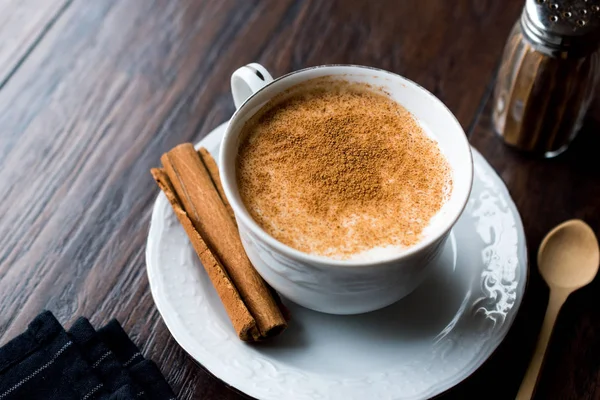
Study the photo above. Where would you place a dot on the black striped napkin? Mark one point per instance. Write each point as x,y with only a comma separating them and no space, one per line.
48,363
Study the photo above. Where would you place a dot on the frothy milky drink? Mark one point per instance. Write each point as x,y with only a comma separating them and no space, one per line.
339,169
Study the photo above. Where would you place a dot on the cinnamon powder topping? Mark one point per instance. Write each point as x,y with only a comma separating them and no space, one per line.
335,168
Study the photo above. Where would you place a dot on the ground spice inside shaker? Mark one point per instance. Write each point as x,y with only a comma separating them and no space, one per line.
547,75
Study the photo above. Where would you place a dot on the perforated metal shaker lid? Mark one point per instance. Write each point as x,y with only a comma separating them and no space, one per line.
570,26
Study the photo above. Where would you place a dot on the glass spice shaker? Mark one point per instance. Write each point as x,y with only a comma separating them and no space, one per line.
547,75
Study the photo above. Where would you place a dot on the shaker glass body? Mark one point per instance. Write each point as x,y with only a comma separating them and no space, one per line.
540,99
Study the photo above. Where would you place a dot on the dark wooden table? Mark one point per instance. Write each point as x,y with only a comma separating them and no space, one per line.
93,92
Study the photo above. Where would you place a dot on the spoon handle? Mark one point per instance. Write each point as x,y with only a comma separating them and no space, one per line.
557,299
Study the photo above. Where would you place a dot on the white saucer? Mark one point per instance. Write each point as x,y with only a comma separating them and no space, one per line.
414,349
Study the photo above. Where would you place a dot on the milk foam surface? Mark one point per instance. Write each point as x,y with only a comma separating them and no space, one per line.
380,253
342,172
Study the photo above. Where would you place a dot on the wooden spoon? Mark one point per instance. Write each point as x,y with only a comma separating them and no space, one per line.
568,260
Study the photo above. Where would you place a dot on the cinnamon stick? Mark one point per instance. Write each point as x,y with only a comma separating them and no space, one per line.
198,195
213,171
243,322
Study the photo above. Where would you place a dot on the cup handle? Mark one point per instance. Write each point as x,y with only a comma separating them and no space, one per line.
248,80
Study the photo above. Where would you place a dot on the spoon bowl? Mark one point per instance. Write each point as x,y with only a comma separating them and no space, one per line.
569,255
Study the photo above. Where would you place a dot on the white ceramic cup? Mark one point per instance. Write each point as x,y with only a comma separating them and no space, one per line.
344,286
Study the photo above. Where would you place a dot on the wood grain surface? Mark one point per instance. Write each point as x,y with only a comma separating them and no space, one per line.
23,24
94,92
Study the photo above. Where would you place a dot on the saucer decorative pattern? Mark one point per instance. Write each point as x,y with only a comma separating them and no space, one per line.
414,349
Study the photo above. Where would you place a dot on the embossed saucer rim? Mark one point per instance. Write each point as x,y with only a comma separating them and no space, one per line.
277,379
